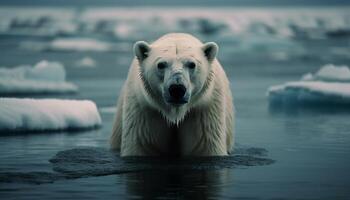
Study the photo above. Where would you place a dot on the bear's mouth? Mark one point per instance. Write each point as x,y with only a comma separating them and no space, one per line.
179,102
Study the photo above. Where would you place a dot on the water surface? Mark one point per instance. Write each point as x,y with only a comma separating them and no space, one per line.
310,146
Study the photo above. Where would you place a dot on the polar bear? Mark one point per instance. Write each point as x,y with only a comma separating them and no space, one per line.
176,101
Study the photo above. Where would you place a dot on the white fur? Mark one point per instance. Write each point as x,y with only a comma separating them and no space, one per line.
145,125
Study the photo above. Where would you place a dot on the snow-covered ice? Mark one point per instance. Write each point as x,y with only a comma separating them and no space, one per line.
47,114
86,62
79,44
329,85
44,77
330,72
310,92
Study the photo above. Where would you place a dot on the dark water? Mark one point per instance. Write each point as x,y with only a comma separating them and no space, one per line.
90,162
309,146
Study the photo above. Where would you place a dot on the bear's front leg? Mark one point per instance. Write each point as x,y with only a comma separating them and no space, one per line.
144,132
203,132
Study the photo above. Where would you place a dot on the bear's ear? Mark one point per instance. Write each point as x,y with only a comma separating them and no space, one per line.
141,50
210,50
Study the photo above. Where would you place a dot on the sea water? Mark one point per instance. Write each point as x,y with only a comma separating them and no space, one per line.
305,150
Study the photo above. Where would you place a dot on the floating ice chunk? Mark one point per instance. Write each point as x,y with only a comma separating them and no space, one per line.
340,51
44,77
310,92
43,70
47,71
47,114
79,44
17,87
123,30
108,110
267,44
328,85
279,56
86,62
75,44
332,72
307,77
34,45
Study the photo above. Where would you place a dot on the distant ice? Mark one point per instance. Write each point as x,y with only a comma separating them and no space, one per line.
44,77
343,52
264,43
135,23
34,45
109,110
75,44
79,44
329,85
37,21
279,56
278,22
86,62
47,114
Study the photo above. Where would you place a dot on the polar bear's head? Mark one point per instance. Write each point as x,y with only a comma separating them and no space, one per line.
175,74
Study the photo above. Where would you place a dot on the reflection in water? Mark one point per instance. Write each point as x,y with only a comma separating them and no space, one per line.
178,184
293,109
311,120
87,162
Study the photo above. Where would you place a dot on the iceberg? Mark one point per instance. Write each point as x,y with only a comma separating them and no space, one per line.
19,115
329,85
42,78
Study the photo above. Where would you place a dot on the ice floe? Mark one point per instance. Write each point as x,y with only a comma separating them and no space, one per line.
329,85
79,44
42,78
19,115
329,73
86,62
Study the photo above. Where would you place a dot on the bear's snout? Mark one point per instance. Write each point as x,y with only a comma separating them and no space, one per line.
177,92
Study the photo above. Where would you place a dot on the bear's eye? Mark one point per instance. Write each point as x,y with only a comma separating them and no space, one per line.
162,65
191,65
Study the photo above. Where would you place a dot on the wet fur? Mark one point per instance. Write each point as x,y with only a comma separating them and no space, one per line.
145,126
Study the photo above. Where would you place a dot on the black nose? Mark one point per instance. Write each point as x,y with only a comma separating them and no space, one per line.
177,91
